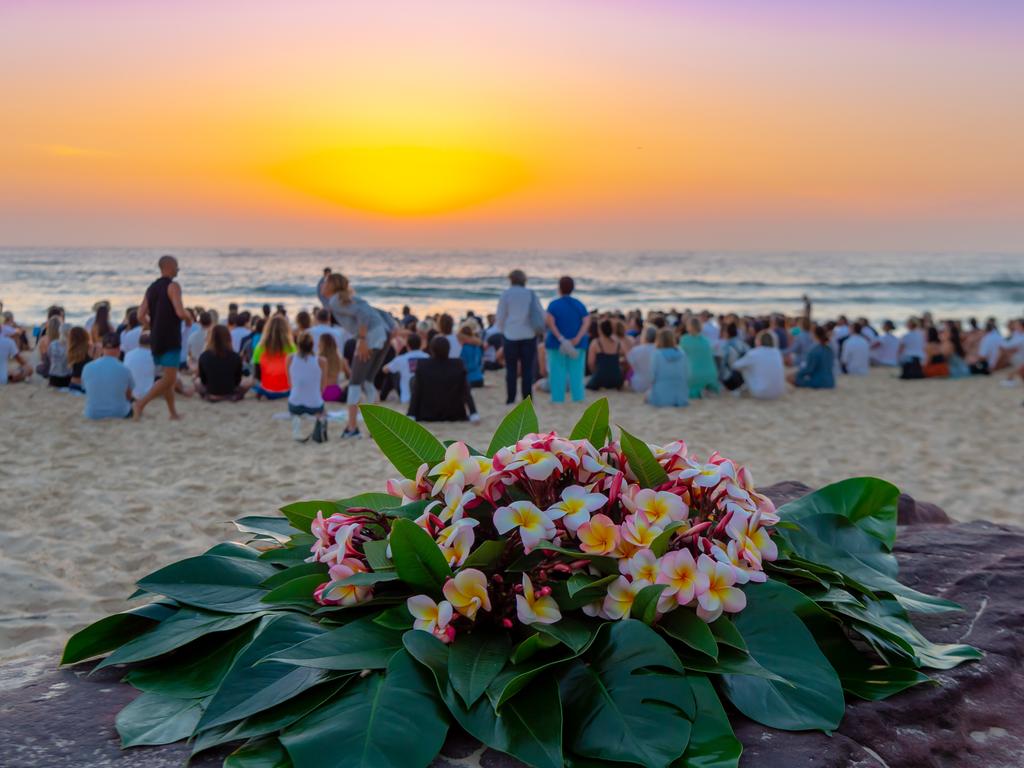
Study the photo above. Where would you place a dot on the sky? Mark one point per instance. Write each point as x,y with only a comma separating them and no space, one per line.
675,124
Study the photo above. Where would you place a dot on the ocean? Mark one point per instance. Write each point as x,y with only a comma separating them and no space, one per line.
876,285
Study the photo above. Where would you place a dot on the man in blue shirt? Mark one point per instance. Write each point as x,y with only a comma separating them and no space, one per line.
108,383
566,342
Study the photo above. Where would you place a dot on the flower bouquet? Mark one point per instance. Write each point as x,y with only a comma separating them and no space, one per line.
566,600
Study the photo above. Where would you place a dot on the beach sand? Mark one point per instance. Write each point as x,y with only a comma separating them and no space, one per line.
87,508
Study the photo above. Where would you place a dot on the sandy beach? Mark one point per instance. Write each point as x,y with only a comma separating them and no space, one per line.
89,507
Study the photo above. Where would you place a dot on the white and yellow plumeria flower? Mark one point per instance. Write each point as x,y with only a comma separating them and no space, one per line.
536,463
411,490
659,507
536,609
720,594
534,524
736,555
598,536
430,616
343,594
457,540
455,501
577,504
683,582
708,475
458,469
621,594
637,533
467,592
643,565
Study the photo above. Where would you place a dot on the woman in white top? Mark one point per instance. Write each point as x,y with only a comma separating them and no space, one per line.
307,375
763,371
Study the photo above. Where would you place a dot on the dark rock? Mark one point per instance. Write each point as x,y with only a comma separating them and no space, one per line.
971,717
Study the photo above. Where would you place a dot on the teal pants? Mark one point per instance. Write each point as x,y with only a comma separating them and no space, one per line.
561,366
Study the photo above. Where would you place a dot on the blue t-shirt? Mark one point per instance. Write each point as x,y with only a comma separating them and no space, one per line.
106,382
473,358
569,314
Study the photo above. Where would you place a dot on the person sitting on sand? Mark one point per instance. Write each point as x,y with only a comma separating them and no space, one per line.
953,349
604,358
733,348
818,370
800,343
322,326
107,383
885,349
101,326
669,373
471,353
856,354
271,359
10,329
936,363
989,350
307,373
219,369
912,351
700,358
1013,349
405,365
9,351
163,312
763,370
337,367
131,332
198,340
78,356
440,389
140,362
641,360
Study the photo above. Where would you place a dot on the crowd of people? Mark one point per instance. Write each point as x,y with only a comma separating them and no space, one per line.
347,351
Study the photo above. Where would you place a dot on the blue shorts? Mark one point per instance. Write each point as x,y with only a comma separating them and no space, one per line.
169,359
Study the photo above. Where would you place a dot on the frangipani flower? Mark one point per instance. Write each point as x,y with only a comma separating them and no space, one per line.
642,566
431,617
457,470
708,475
598,536
577,504
536,608
720,594
457,540
621,594
342,546
343,594
683,582
659,507
455,501
735,556
534,525
411,490
637,533
467,592
537,464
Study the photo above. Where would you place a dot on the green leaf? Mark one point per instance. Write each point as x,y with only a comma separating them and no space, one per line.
302,513
233,549
417,557
648,472
645,605
573,631
726,633
411,511
515,678
685,626
112,631
261,753
712,742
729,661
298,591
593,424
250,686
618,708
532,645
193,672
294,572
294,553
362,644
475,660
486,555
396,617
378,502
376,555
181,628
812,697
156,719
391,720
519,422
660,544
364,579
867,502
278,528
217,583
406,444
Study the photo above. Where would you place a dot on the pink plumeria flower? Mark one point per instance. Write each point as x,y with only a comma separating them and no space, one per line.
720,594
637,533
683,582
641,566
456,540
467,592
411,490
431,617
534,608
536,463
534,525
457,470
598,536
735,555
621,594
342,546
576,505
343,594
659,507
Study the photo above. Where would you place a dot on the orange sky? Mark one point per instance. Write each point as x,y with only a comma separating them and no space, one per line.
558,123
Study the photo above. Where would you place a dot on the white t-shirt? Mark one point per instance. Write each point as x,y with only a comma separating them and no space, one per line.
990,347
304,375
238,335
912,344
336,331
140,362
840,332
1016,345
405,366
8,351
886,350
710,331
196,343
641,360
763,372
454,345
130,339
857,355
868,333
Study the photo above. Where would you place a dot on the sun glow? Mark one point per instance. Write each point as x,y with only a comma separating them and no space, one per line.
404,180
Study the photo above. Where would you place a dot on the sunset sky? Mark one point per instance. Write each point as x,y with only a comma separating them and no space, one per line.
789,124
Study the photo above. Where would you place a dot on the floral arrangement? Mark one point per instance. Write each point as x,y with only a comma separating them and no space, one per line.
566,600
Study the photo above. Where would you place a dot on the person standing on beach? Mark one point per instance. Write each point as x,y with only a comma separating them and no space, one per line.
324,297
519,319
163,311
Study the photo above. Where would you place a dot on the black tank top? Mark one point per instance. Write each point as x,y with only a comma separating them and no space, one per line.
165,325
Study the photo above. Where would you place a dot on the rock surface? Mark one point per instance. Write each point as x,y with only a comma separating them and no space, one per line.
972,717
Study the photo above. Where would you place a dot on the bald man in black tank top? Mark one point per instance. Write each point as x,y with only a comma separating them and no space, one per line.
163,311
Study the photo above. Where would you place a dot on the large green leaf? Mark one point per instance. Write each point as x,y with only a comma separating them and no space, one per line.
406,444
192,672
867,502
475,660
251,686
417,557
112,631
729,661
519,422
576,632
812,696
297,592
649,473
156,719
712,742
181,628
377,555
528,726
617,707
260,753
378,502
362,644
302,513
486,554
217,583
390,720
278,528
725,633
593,424
645,606
685,626
289,574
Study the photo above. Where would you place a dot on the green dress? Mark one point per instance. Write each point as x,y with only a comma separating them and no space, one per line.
703,371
